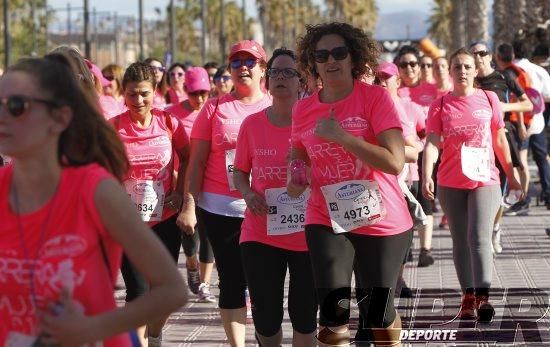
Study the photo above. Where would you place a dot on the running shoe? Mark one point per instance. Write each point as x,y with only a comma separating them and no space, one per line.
520,208
425,258
467,307
204,293
193,280
497,247
485,311
444,224
154,341
330,338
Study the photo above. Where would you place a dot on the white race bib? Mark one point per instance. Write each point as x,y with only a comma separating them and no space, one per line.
148,196
353,204
476,163
16,339
229,160
286,215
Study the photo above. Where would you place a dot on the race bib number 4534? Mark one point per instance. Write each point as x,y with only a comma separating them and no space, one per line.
353,204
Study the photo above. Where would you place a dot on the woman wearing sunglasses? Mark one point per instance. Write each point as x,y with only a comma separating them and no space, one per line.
153,138
350,134
209,179
64,213
176,84
272,234
159,100
112,93
468,179
223,82
197,87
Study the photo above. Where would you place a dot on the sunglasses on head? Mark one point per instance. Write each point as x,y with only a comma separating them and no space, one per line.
404,64
481,53
338,53
174,74
425,65
17,105
286,73
249,63
222,78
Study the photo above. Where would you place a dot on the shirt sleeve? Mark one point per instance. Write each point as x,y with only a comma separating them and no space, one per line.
433,122
384,114
202,128
243,157
179,136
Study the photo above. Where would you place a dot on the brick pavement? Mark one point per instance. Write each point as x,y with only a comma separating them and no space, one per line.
521,272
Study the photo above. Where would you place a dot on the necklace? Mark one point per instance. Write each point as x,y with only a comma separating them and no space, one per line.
26,254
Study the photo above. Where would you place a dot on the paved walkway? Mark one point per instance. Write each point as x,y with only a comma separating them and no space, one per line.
521,285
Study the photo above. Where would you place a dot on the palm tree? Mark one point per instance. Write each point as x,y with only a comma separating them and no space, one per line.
360,13
476,18
440,23
458,22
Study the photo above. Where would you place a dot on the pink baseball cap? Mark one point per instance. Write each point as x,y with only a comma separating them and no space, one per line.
387,68
249,46
97,73
196,78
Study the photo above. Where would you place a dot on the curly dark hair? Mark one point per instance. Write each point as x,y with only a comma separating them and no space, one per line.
362,48
139,72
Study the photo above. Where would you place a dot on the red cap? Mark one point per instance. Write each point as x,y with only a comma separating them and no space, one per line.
248,46
387,68
196,78
97,73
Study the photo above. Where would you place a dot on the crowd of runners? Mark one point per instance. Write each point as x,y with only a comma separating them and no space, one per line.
323,162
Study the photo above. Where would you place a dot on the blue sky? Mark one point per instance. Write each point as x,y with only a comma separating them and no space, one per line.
130,7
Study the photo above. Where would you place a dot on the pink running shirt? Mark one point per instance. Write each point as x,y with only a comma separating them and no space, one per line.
174,98
366,112
262,150
221,127
110,106
423,94
69,254
417,118
184,116
150,151
470,121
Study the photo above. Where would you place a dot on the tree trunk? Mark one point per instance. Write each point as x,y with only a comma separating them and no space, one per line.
477,24
457,25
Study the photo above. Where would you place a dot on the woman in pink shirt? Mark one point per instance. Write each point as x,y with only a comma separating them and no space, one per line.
272,233
175,79
470,123
65,215
152,138
159,99
350,135
112,93
209,179
197,87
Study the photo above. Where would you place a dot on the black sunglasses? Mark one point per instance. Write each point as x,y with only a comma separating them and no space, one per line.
481,53
338,53
222,78
425,65
249,63
19,104
287,73
404,64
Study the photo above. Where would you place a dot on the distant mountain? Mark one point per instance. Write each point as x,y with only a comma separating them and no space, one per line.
394,25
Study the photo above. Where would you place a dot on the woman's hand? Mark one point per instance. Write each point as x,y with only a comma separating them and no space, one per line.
66,325
187,221
428,188
329,129
256,203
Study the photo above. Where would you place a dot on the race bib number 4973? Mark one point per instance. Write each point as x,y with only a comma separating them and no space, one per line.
353,204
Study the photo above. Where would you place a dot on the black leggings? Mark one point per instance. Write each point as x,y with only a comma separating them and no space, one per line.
206,254
223,233
170,235
265,269
379,260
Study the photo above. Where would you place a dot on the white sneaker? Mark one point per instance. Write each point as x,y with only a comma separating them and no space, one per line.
204,293
497,247
154,341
